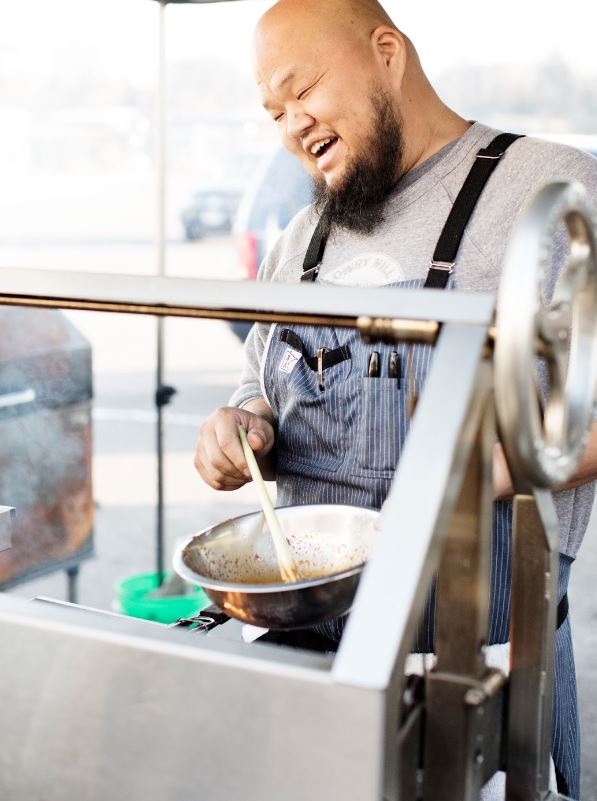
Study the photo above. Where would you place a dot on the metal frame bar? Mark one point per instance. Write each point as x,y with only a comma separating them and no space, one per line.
463,752
395,583
236,300
421,500
451,424
532,637
441,425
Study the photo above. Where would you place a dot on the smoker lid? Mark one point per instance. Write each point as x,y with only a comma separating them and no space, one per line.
44,361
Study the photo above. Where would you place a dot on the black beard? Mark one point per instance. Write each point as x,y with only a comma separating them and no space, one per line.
357,204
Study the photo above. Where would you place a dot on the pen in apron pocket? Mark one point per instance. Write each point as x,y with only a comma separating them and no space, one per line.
394,365
373,366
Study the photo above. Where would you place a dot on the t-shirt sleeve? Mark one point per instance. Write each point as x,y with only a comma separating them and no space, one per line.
250,382
279,265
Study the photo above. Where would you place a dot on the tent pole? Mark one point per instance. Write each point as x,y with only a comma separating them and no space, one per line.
163,393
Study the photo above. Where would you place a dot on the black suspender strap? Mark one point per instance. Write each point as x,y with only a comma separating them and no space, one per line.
444,256
562,613
314,253
329,357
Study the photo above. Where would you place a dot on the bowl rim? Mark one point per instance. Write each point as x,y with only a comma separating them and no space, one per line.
229,586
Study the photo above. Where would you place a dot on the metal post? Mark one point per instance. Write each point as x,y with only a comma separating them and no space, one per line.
532,638
462,732
72,584
163,393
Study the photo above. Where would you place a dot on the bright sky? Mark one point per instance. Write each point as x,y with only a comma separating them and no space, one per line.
122,33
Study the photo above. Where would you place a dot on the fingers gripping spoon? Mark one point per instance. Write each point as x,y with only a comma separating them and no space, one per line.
288,569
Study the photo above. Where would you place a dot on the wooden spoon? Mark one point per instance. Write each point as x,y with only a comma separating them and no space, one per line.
288,569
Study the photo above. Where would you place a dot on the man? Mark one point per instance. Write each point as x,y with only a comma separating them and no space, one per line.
349,97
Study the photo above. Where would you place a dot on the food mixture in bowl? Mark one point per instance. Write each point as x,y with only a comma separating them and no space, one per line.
242,551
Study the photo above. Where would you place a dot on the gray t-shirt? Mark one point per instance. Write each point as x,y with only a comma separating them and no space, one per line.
401,248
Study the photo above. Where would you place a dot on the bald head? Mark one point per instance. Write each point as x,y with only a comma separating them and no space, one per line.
322,68
339,22
338,18
353,36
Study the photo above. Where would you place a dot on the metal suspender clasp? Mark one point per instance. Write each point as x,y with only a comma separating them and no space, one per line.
490,153
448,266
312,273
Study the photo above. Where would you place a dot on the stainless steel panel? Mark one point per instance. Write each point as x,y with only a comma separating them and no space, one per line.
120,710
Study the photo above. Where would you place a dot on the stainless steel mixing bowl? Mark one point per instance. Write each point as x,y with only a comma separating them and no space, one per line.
235,563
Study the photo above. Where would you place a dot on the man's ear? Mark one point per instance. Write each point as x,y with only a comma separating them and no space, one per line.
390,46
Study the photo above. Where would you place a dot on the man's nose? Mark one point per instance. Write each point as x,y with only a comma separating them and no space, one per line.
298,121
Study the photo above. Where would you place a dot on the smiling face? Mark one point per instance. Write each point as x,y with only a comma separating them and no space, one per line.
321,119
316,82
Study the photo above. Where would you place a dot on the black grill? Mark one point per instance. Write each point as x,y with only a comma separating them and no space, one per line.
45,442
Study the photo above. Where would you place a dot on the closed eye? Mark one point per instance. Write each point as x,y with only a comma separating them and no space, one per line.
304,92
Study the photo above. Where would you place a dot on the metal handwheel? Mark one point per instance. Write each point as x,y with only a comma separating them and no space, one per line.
544,433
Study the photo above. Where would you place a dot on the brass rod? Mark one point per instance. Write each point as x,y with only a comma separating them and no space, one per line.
371,328
375,329
413,330
163,310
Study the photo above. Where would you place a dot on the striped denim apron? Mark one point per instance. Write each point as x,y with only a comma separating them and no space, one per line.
340,433
341,445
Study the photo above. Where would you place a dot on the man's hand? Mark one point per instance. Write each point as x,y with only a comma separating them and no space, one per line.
502,482
584,473
219,456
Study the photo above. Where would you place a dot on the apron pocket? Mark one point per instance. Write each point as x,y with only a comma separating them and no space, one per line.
382,426
312,429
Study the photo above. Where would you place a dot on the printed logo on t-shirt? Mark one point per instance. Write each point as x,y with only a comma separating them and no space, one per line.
289,360
368,269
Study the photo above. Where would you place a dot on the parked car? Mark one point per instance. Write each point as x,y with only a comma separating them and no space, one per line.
210,211
280,188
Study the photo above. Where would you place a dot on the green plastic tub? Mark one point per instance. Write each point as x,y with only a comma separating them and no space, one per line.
131,599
